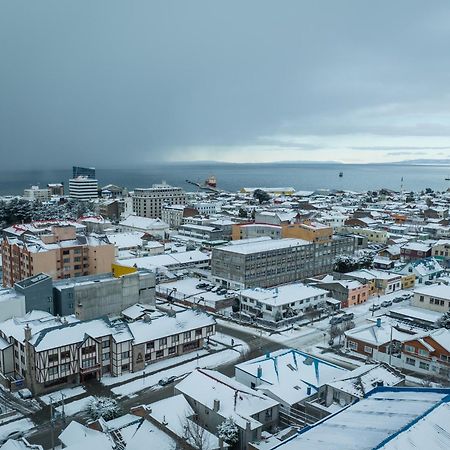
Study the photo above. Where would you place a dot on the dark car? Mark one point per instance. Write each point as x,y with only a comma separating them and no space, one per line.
398,299
386,303
167,380
348,316
335,320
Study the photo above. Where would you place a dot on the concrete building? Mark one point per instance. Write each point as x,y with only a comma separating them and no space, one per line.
266,262
83,188
435,298
174,215
12,304
56,189
282,305
54,248
34,193
153,227
38,293
148,202
103,295
348,292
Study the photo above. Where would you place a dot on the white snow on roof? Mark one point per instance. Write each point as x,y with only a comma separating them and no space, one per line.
362,380
284,294
236,400
436,290
287,374
367,423
268,245
174,259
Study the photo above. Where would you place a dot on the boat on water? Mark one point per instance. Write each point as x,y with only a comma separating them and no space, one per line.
211,181
341,174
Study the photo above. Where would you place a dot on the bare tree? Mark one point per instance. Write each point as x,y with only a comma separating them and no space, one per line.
194,434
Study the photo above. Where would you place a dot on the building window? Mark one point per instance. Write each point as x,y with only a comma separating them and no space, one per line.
125,367
106,344
162,341
65,367
172,350
150,345
368,349
105,356
87,363
65,354
410,361
198,332
187,335
352,345
52,358
52,371
175,339
424,366
423,352
410,349
160,353
125,355
87,350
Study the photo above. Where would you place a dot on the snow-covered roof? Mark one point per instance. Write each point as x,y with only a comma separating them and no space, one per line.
235,399
168,260
441,291
290,375
282,295
143,223
386,416
165,325
361,380
246,248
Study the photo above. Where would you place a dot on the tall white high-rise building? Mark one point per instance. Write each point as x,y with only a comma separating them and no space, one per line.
83,188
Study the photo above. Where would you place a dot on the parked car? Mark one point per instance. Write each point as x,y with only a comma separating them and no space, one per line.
374,307
398,299
386,303
201,285
407,296
335,320
348,316
166,380
25,393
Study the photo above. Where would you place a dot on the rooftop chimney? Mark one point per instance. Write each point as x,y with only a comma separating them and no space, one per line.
216,405
379,322
259,372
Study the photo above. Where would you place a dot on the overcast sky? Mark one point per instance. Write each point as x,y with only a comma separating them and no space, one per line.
127,82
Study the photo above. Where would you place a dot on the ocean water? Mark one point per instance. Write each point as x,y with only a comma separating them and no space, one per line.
232,177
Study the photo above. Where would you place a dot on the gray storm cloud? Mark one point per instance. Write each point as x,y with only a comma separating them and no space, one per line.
124,82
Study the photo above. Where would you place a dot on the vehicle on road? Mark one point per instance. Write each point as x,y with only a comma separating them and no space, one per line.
398,299
407,296
166,380
335,320
374,307
348,316
386,303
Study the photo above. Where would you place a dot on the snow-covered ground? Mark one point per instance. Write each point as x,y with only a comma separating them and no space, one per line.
210,361
21,427
70,409
57,396
154,367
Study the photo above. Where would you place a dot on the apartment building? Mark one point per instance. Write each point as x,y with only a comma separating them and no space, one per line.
47,352
148,202
35,193
83,188
348,292
281,305
266,262
174,215
435,298
55,249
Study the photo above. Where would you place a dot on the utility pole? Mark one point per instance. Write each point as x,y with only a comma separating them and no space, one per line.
52,425
390,348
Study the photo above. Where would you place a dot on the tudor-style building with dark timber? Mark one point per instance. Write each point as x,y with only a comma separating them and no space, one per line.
44,352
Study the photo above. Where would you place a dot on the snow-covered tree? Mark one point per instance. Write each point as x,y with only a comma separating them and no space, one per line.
104,407
228,431
444,321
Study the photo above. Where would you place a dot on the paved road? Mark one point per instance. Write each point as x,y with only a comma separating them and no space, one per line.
42,435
